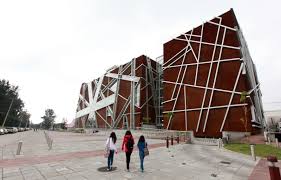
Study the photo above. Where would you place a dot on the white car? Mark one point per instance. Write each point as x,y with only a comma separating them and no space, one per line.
6,131
2,131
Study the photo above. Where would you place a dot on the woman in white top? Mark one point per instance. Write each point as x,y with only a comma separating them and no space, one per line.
111,147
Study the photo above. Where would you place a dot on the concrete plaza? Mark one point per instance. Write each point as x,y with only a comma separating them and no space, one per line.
80,156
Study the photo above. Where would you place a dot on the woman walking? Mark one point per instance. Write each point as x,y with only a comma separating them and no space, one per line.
128,146
142,145
111,148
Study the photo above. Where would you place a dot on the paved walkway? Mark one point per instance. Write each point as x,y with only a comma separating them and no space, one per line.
261,171
80,156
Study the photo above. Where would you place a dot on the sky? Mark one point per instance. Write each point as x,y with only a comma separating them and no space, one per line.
49,48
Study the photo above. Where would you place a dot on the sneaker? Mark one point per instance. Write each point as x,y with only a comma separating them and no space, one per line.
108,169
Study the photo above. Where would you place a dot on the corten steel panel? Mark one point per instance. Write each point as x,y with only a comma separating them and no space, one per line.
123,88
213,63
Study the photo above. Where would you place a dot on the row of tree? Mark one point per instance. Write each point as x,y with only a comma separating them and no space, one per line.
11,102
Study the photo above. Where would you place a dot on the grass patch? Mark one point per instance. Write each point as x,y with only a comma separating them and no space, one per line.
261,150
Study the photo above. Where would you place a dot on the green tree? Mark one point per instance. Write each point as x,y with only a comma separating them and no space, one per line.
8,93
170,116
48,119
24,119
244,119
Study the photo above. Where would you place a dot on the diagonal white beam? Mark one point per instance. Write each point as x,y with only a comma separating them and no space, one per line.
214,83
236,82
208,79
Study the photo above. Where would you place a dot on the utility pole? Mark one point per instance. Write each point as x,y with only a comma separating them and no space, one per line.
26,123
20,121
7,113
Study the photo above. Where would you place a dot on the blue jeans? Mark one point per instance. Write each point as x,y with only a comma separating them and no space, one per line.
141,160
110,159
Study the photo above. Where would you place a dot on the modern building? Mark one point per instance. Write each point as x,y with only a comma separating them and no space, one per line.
205,82
206,70
124,97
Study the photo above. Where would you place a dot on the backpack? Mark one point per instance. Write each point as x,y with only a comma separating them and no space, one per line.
130,144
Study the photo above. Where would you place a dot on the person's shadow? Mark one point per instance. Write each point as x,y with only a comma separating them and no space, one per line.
104,169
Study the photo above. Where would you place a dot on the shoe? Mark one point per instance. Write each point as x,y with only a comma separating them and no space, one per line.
142,170
128,170
108,169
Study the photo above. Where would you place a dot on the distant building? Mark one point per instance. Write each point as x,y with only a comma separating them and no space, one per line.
195,86
273,117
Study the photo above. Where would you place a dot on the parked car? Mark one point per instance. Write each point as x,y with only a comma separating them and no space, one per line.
12,129
2,131
6,131
15,129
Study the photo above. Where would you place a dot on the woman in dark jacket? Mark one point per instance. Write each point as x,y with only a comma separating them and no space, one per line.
141,145
127,146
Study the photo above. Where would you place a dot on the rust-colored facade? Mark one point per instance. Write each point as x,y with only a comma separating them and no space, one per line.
122,98
206,71
197,86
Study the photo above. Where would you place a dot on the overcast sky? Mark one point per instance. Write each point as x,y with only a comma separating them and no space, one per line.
48,48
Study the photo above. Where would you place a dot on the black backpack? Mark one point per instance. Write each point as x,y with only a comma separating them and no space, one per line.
130,144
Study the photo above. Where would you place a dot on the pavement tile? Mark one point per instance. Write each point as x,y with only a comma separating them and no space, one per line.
10,174
49,174
74,177
14,178
57,178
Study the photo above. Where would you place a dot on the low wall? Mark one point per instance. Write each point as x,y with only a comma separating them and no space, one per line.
232,135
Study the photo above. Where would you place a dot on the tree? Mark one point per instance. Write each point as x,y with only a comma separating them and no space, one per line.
48,119
24,119
9,93
244,119
63,123
170,116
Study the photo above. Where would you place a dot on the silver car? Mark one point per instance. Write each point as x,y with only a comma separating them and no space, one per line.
12,129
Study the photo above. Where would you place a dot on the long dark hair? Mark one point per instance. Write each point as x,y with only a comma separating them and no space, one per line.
141,139
113,136
128,133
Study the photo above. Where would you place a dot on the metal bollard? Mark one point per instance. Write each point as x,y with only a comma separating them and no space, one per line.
167,142
252,146
172,140
50,144
219,143
178,139
277,142
274,171
19,147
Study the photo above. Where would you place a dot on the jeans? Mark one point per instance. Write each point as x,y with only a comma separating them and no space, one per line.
110,159
128,159
141,160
